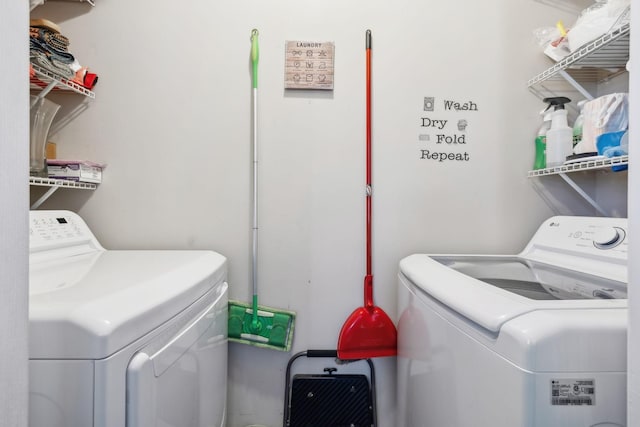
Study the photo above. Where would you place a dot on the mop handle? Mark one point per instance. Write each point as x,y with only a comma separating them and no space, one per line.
254,82
255,54
368,280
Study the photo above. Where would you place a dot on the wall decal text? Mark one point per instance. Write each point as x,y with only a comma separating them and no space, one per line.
443,133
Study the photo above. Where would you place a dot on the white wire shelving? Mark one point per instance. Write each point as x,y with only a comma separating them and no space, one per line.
91,2
613,163
45,81
54,185
595,62
572,6
588,165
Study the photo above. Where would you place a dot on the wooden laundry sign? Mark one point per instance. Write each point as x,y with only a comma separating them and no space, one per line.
309,65
443,130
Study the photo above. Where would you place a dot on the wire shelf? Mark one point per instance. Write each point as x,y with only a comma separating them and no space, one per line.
91,2
44,78
572,6
48,182
601,59
582,166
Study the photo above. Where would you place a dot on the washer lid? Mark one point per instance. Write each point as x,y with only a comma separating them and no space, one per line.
503,295
91,305
535,280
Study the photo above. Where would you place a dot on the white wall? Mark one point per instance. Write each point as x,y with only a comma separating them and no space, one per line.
14,136
172,120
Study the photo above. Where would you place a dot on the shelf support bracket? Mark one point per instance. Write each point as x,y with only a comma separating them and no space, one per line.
44,197
577,86
44,93
582,193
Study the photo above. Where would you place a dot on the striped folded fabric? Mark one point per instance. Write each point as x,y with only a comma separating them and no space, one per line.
49,49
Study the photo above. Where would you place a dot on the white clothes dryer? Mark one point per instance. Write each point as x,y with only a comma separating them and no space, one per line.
117,338
536,339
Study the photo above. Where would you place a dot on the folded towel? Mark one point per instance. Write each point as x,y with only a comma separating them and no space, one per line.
50,64
55,40
41,44
48,48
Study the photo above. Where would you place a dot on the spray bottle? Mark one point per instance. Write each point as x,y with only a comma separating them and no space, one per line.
560,135
541,141
577,128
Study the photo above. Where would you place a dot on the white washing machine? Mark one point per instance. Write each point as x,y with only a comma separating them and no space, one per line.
536,339
123,338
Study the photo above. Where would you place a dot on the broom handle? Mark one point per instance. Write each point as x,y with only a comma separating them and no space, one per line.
368,280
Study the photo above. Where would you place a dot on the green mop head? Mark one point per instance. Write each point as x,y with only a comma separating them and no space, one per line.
269,328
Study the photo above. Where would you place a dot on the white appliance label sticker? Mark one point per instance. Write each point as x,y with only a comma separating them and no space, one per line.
572,392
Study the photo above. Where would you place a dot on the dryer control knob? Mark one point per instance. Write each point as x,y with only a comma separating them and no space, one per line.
608,237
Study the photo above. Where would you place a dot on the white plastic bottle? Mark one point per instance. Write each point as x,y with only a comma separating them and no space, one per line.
577,129
560,135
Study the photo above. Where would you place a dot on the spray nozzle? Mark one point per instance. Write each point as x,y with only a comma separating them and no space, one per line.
557,102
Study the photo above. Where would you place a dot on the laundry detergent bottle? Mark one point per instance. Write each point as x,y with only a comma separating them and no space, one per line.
540,161
559,135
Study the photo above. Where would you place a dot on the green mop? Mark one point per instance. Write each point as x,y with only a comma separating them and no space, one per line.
252,323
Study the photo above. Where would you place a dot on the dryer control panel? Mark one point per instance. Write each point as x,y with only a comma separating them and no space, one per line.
56,230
